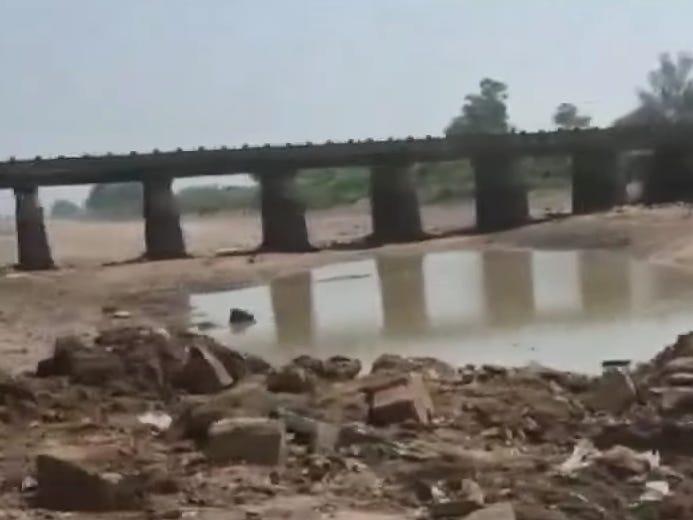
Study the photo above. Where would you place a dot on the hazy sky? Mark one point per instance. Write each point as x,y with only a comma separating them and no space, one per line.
95,75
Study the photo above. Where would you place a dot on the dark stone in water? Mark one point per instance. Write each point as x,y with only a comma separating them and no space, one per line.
241,316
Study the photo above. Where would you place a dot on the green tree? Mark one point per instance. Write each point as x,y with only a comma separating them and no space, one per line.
115,200
567,117
485,112
669,95
65,209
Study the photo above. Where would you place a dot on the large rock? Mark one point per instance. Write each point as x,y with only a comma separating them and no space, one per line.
430,368
291,379
681,364
67,485
253,440
320,436
499,511
676,400
340,368
203,373
614,392
399,400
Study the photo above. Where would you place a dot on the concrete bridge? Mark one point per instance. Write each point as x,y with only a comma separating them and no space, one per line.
501,195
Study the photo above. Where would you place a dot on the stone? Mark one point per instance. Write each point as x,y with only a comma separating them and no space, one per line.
679,379
291,379
676,400
253,440
471,498
624,462
67,485
499,511
613,393
240,316
341,368
203,373
12,388
680,364
400,400
309,363
320,437
430,368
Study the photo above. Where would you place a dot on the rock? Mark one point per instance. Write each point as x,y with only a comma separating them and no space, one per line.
471,498
291,379
320,437
430,368
203,373
252,440
613,393
66,485
624,462
499,511
240,316
679,379
402,399
340,368
12,388
676,400
309,363
681,364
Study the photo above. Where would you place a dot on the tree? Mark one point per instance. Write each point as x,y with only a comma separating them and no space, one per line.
65,209
115,200
567,117
485,112
669,96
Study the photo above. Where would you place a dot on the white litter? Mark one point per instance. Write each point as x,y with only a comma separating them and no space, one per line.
655,491
583,454
160,421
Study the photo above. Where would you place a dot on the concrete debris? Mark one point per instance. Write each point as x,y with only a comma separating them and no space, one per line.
291,379
655,491
252,440
614,392
203,373
67,485
340,368
399,400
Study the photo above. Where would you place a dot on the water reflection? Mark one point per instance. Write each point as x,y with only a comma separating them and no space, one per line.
508,288
292,307
566,309
403,295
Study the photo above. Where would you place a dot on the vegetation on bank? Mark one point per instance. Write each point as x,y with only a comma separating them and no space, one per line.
668,98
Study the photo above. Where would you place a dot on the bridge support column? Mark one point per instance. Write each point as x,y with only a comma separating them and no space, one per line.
599,183
669,179
501,192
162,230
283,214
394,204
33,250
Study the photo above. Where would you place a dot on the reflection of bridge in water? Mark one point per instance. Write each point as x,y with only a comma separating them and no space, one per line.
423,297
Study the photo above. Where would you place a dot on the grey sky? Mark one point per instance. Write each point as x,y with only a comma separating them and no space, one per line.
95,75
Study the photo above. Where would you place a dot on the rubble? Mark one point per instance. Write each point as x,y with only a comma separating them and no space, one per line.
68,485
252,440
399,400
177,424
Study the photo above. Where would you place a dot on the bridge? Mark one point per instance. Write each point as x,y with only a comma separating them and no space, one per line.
501,195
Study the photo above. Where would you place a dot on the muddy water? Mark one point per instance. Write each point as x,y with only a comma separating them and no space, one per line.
568,310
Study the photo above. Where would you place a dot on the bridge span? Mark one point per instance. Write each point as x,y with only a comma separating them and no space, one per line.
501,195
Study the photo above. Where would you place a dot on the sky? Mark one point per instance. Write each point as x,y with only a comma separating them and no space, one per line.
92,76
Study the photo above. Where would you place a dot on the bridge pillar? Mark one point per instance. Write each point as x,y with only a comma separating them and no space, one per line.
33,250
669,179
283,214
599,183
501,192
394,204
162,230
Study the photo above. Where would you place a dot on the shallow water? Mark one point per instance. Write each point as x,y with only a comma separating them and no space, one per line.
569,310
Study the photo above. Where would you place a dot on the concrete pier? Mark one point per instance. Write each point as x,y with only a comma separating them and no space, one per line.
33,250
283,214
670,178
162,230
599,182
501,192
394,204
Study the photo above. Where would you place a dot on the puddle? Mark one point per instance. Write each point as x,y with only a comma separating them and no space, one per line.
569,310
